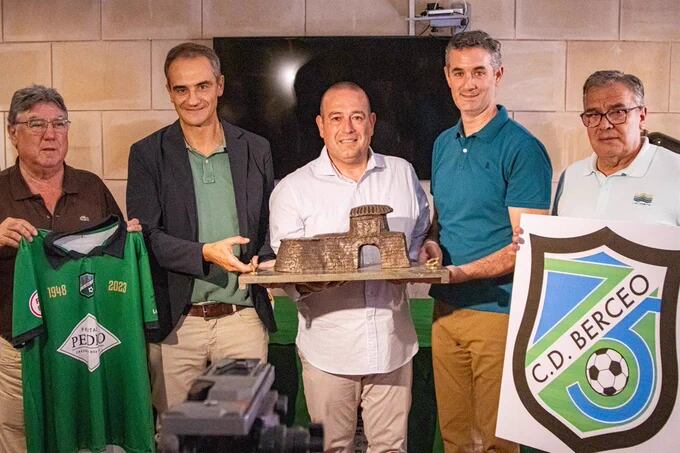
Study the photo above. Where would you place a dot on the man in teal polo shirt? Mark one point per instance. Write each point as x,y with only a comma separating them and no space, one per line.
486,171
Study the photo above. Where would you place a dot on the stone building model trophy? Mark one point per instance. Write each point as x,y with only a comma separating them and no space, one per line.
336,256
339,252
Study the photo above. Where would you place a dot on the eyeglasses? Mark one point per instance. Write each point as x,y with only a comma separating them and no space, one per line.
38,126
616,116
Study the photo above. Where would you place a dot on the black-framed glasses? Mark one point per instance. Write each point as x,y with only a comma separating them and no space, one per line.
614,116
38,126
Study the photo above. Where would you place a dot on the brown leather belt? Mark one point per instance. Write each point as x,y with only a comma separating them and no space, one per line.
207,311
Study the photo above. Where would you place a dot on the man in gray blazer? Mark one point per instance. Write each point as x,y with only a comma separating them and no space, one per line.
200,188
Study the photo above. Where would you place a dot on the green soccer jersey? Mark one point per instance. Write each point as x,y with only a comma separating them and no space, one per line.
81,303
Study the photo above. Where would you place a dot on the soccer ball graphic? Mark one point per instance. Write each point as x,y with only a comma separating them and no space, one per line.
607,372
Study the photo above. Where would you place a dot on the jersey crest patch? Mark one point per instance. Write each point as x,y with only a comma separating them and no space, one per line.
34,305
88,341
87,285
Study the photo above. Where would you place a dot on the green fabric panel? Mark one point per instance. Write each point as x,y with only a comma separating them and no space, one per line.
421,313
285,313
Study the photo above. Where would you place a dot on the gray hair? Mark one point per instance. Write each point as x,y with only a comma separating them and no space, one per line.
609,77
344,85
193,50
25,98
479,39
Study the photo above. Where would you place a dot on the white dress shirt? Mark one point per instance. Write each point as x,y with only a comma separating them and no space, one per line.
360,327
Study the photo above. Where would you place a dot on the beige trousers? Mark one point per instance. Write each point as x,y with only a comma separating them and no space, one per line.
468,347
12,436
179,359
385,399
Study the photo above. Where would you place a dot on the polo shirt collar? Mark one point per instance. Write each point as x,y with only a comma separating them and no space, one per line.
113,246
20,191
70,183
323,166
637,168
18,187
221,148
490,130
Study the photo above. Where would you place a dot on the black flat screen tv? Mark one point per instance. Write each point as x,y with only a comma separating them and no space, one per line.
273,87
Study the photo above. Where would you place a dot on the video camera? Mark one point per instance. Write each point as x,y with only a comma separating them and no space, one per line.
231,408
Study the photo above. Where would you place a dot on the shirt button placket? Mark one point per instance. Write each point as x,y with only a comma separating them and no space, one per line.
371,329
603,196
465,148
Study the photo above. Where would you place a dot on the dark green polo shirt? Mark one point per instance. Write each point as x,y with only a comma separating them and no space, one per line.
217,220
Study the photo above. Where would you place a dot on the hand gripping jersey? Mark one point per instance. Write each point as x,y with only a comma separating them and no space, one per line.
81,303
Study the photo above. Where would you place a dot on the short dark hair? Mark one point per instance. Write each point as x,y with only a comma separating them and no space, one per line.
25,98
476,38
193,50
610,76
346,85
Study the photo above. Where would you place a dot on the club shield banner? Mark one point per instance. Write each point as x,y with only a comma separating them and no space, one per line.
594,359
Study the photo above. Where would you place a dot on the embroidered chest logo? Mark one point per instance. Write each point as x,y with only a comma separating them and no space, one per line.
87,285
643,198
88,341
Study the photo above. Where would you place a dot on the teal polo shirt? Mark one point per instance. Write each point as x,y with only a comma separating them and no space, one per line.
475,180
217,220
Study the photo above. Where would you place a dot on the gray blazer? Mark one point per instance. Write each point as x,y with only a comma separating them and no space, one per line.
160,193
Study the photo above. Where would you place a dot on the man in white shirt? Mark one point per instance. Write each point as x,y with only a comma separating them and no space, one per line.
627,178
356,340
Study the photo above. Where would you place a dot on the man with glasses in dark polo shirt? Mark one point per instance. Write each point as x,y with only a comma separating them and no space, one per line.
38,191
200,188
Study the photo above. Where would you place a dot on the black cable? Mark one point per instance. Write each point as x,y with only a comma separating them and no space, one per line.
424,30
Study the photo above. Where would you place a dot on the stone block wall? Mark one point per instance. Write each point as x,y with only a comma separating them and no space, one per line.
106,57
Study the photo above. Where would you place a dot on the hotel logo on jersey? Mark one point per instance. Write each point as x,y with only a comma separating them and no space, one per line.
88,341
595,360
